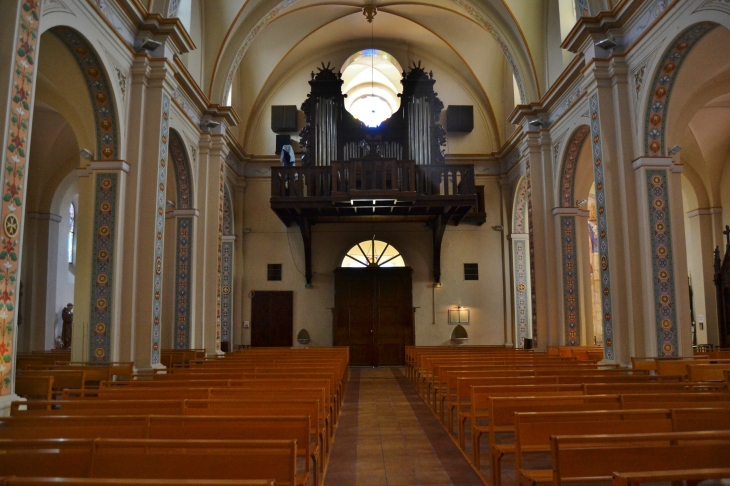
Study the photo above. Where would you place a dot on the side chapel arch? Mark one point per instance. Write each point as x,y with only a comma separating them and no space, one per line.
184,241
569,237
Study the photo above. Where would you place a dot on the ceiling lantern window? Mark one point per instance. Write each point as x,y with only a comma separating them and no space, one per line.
371,81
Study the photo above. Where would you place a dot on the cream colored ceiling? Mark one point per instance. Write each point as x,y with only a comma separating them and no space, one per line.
468,38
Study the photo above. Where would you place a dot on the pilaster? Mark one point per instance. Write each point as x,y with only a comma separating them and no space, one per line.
664,266
145,202
18,54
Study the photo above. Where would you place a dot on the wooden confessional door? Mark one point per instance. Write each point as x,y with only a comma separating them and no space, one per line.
373,314
272,318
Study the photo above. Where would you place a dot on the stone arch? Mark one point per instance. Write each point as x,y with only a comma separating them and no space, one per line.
569,165
181,167
100,90
660,89
185,219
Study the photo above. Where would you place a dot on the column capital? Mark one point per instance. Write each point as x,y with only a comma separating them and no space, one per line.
519,236
657,163
176,213
570,212
704,212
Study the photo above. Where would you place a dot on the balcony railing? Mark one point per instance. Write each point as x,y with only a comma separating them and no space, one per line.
373,177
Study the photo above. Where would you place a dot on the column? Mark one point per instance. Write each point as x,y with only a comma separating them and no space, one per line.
662,241
566,221
145,206
584,277
701,266
239,263
19,33
610,109
98,287
213,154
522,291
181,224
508,285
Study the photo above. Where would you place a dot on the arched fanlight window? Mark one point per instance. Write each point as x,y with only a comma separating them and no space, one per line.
71,230
373,253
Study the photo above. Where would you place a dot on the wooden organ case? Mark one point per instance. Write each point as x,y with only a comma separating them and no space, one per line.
395,172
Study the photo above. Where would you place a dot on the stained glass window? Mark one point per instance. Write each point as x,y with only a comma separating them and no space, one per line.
71,226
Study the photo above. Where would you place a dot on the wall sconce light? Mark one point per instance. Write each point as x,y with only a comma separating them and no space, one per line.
674,150
581,202
437,285
170,204
499,227
303,337
460,315
86,153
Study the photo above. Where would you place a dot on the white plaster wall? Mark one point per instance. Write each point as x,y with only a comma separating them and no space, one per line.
270,242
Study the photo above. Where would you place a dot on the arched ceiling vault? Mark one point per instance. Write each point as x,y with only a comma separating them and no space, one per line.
254,38
436,54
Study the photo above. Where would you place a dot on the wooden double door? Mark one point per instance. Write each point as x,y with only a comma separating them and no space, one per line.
373,314
272,318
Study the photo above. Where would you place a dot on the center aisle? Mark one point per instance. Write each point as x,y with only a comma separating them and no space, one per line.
387,436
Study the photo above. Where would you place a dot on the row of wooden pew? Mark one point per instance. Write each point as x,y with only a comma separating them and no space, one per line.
258,414
560,419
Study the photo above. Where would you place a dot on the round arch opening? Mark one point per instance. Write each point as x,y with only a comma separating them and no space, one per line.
373,253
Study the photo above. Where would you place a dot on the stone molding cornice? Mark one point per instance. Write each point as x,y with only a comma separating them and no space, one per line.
44,217
704,212
176,213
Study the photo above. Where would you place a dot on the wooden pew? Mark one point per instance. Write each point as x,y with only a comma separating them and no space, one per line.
136,482
597,457
500,411
34,387
163,427
690,476
151,459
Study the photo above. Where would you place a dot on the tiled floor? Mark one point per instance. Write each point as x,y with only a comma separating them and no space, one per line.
387,436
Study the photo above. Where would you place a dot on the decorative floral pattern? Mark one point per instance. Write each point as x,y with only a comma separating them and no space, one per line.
661,88
14,161
602,228
160,228
101,93
102,267
661,245
182,170
570,280
183,282
531,245
227,219
227,293
520,207
521,291
221,197
567,178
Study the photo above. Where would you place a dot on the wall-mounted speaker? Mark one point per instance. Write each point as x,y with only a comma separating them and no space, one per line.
460,118
283,118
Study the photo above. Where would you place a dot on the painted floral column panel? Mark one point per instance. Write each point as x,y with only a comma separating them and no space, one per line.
522,294
531,246
105,206
221,198
227,293
15,157
663,270
602,224
569,252
160,229
183,282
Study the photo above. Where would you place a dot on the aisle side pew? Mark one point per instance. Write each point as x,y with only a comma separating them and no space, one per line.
167,427
153,459
135,482
596,457
533,430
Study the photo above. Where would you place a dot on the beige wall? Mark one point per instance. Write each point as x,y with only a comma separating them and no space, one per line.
269,241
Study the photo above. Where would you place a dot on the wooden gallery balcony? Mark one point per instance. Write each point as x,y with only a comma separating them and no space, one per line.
377,190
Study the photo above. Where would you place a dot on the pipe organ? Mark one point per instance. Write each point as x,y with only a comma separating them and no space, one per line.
331,133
